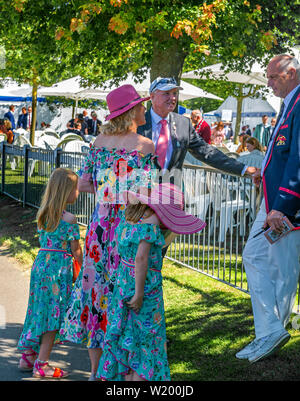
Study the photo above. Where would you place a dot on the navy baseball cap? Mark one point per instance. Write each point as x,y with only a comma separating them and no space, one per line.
163,84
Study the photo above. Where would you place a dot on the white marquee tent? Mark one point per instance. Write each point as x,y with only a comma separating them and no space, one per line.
255,77
252,111
72,89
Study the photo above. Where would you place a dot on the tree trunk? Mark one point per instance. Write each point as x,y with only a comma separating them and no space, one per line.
168,56
239,99
34,111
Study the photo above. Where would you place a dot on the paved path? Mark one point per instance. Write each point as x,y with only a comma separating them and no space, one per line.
14,287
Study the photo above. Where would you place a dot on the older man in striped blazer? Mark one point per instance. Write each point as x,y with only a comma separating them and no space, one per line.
273,269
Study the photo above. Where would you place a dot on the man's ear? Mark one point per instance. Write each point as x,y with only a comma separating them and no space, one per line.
292,71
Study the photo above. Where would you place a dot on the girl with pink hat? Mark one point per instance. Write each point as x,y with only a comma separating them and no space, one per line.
135,342
108,170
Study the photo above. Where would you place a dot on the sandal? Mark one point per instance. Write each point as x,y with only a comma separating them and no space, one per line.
24,358
39,372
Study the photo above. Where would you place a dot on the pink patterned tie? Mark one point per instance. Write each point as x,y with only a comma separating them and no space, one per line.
162,143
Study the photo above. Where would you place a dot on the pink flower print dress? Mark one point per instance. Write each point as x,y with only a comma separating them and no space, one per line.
112,171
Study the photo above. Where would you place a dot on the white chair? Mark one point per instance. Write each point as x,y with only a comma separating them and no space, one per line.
22,131
90,138
49,131
231,146
197,198
228,204
76,146
69,135
48,142
21,140
38,134
68,138
198,205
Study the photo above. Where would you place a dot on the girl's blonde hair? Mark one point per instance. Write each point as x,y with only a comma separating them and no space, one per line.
60,185
135,211
119,124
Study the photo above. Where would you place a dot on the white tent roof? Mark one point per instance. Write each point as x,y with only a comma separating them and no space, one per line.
72,89
255,77
251,107
189,91
11,88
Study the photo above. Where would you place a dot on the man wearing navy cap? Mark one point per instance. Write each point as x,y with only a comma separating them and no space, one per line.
173,135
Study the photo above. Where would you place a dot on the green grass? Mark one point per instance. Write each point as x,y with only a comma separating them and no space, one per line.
21,249
216,263
207,321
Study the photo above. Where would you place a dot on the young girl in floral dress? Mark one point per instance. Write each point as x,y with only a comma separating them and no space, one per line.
135,342
51,275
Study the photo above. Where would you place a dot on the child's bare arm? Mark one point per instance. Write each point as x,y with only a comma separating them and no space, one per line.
76,250
141,268
86,186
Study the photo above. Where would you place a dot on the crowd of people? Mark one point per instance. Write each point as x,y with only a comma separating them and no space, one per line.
115,305
221,134
81,125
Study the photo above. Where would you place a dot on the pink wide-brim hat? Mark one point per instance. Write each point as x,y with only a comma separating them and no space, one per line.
167,201
122,99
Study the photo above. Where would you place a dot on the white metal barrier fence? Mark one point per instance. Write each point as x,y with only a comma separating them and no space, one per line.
228,204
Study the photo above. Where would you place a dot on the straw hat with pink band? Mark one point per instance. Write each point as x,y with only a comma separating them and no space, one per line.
167,201
122,99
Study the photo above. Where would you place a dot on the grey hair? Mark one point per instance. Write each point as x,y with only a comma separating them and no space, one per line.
286,61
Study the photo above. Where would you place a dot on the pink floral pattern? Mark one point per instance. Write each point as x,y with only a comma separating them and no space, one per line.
112,172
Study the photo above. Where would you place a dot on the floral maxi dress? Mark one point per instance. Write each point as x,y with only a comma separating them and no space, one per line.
112,171
50,285
137,341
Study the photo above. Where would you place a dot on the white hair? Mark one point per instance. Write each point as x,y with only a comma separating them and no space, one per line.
286,61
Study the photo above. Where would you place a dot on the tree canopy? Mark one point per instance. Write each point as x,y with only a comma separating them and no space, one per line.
48,40
170,35
108,38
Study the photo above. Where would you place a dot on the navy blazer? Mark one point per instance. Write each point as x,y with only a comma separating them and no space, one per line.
184,139
22,121
9,116
90,126
281,175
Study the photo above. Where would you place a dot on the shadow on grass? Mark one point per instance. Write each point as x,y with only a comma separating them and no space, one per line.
205,329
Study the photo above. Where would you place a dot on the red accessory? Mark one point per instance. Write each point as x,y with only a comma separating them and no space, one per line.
76,270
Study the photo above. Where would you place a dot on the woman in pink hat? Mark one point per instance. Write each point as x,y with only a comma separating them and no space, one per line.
118,160
135,341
